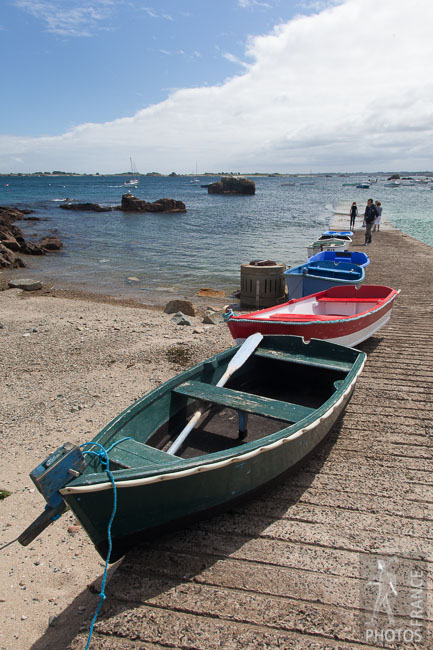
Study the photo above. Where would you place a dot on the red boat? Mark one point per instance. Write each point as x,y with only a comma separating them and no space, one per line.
342,314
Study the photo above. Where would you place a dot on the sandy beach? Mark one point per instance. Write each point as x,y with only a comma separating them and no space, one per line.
67,367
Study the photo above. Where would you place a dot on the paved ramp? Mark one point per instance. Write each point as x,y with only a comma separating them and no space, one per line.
290,569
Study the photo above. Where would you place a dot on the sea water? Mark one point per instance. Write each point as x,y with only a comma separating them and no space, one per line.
204,247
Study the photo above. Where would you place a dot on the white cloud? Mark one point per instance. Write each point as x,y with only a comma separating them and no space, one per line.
246,4
347,88
155,14
318,5
68,18
234,59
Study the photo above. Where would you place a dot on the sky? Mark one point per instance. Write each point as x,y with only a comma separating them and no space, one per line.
234,85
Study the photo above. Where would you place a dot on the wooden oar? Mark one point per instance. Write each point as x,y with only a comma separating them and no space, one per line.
244,352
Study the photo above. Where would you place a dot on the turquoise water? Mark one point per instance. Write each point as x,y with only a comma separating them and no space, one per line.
203,247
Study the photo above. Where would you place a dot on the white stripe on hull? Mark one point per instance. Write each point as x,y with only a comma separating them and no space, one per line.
362,335
350,340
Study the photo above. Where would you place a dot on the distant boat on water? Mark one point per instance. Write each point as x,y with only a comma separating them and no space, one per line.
132,181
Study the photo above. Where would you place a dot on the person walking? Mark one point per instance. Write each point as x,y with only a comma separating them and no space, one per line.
376,225
370,215
353,214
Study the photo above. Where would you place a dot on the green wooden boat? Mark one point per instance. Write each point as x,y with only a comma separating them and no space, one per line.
292,393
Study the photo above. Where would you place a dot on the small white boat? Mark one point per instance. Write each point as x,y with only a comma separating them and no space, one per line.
328,245
132,181
392,184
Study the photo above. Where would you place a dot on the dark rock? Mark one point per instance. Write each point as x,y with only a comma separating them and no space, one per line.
8,239
131,203
184,306
167,205
85,207
33,248
7,214
232,185
17,233
51,243
394,177
8,259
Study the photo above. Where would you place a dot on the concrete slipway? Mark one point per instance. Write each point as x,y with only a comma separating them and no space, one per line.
285,569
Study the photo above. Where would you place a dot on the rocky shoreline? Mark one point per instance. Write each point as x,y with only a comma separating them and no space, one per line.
13,243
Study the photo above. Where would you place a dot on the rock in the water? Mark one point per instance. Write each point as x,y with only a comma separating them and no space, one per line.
8,214
184,306
131,203
210,293
26,284
85,207
33,248
51,243
181,319
232,185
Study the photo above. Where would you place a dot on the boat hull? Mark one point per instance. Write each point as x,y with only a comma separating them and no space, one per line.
147,510
350,330
353,257
150,502
328,245
313,277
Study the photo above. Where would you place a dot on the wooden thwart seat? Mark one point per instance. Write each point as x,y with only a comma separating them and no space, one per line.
334,364
131,453
245,402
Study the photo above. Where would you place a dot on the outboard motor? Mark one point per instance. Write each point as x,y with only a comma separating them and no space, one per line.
61,466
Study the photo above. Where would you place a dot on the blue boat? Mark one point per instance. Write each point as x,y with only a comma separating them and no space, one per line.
351,257
313,277
338,233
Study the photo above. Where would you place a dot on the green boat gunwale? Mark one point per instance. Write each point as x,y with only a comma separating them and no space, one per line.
177,467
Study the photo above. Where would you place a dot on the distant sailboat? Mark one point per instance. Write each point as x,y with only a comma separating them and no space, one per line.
133,181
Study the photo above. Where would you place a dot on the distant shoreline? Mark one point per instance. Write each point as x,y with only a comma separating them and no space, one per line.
59,174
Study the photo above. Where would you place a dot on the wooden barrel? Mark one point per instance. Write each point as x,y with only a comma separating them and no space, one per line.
262,285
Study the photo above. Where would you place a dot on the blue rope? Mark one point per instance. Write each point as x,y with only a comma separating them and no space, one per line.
118,442
103,455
